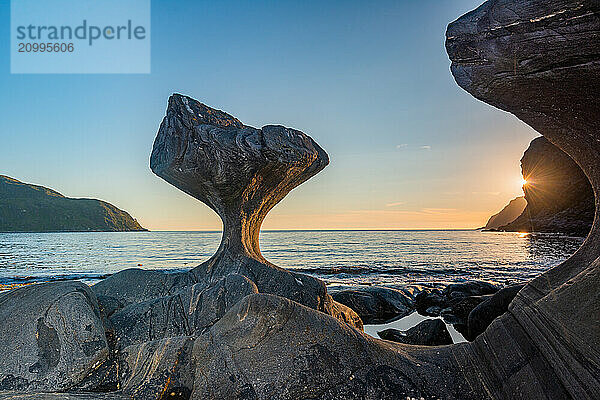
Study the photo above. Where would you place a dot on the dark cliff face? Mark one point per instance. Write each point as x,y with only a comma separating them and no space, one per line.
31,208
508,214
559,196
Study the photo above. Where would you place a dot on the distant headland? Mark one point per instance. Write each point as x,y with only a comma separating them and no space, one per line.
31,208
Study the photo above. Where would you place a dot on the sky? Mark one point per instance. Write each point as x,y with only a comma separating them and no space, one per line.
369,81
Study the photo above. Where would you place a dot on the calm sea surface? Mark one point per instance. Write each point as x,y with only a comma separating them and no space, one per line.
340,258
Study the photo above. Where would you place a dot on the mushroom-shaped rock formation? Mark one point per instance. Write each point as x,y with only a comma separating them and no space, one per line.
241,173
540,60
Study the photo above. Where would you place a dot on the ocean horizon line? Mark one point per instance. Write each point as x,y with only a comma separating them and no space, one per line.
265,230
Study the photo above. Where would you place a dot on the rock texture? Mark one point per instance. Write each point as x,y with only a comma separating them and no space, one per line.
508,214
189,312
31,208
268,347
559,196
52,336
377,305
241,173
431,332
488,310
539,60
433,301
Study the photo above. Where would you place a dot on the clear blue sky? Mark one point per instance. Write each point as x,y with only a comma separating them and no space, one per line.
369,81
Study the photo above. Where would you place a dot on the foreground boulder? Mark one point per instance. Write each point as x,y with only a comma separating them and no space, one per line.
186,313
431,332
455,301
52,336
377,305
488,310
268,347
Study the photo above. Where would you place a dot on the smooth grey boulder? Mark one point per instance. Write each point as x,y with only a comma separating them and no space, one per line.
458,309
186,313
488,310
159,369
430,302
136,285
471,288
449,301
376,305
52,336
431,332
268,347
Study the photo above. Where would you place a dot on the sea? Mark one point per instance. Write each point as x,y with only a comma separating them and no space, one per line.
340,258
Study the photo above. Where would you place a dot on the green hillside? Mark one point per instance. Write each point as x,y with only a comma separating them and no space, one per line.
31,208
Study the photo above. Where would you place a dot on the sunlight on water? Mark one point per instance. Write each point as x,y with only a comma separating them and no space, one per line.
339,257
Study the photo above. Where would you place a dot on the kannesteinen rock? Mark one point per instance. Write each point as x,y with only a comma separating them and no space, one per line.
537,59
559,195
508,214
31,208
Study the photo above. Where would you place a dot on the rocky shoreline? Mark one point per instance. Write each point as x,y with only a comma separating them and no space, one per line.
239,327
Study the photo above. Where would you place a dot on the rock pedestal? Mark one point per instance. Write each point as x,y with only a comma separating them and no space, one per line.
241,173
537,59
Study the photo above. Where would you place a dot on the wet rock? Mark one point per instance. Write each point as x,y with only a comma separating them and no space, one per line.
135,285
458,309
268,347
159,369
376,305
488,310
430,302
52,336
431,332
186,313
466,289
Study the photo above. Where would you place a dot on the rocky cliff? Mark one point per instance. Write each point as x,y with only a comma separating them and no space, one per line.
559,195
31,208
540,60
508,214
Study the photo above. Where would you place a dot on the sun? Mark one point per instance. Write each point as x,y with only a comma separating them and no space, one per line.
524,182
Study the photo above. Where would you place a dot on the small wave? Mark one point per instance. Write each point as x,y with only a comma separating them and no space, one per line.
24,280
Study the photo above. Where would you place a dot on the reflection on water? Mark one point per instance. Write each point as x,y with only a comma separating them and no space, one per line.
411,320
339,257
